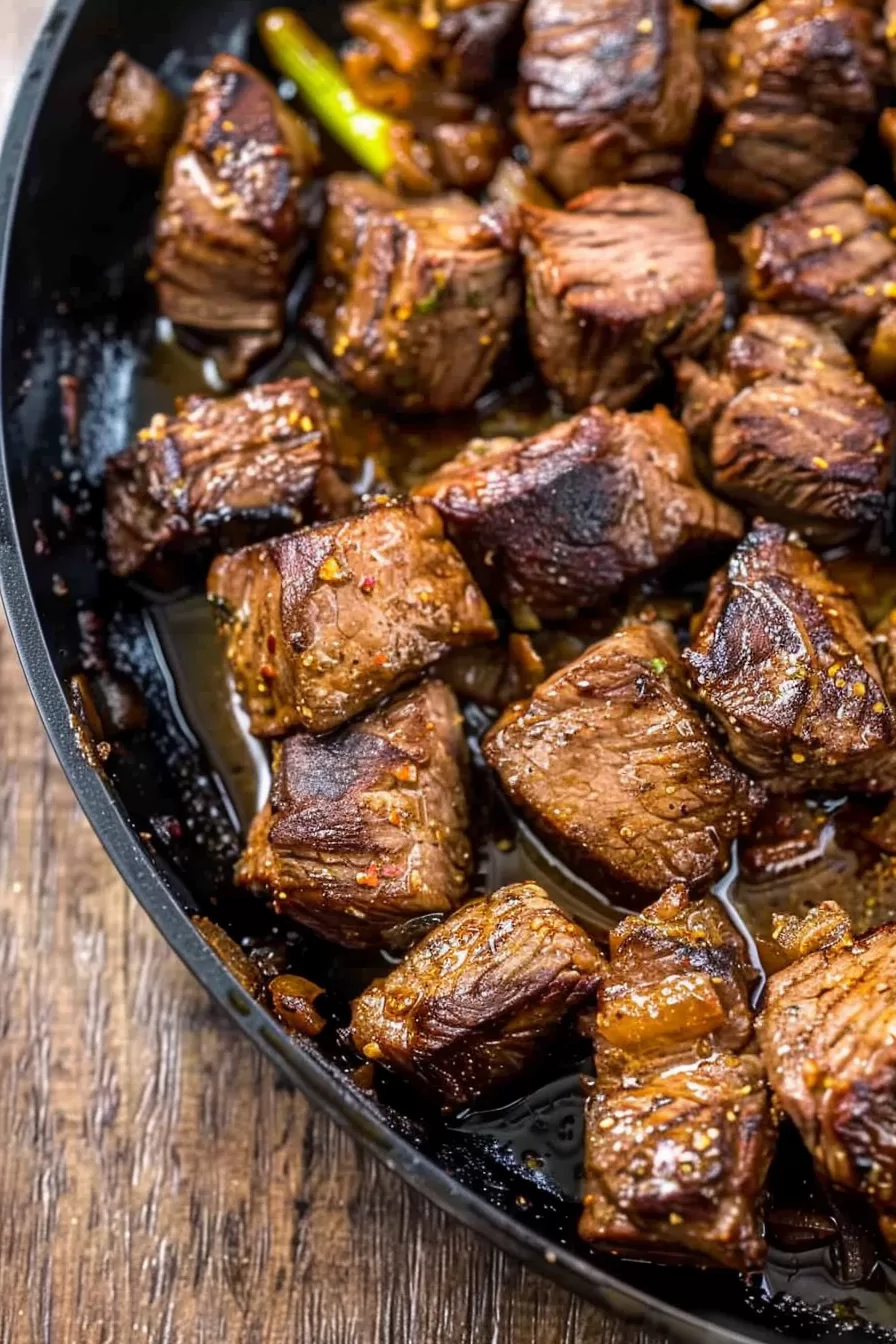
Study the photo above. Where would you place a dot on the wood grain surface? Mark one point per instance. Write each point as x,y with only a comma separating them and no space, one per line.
158,1182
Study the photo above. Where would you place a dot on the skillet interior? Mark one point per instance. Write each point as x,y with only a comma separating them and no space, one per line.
75,302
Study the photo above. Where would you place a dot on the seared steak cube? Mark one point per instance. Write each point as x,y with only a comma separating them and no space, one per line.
831,256
792,427
678,1131
231,224
366,827
139,116
798,89
781,658
615,767
609,91
480,997
620,280
828,1038
558,523
416,298
321,623
215,467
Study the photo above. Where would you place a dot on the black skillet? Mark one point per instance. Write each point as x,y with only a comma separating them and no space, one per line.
74,302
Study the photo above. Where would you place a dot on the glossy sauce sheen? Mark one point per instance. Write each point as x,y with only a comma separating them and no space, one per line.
536,1141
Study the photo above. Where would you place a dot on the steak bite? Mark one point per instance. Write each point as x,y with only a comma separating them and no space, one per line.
781,658
614,766
366,828
799,85
560,522
140,118
321,623
481,997
214,469
831,256
231,223
416,298
792,428
678,1131
609,92
828,1038
621,280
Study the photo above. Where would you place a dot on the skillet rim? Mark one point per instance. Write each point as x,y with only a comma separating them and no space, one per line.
321,1083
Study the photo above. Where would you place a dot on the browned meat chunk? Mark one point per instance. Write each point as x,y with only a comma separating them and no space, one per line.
216,469
798,89
366,828
622,279
792,427
782,659
831,256
480,997
230,224
678,1131
828,1038
416,299
558,523
321,623
609,91
471,37
614,766
141,119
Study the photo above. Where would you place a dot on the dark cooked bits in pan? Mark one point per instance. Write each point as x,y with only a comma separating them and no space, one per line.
367,827
618,770
678,1130
481,997
781,658
559,523
621,281
415,300
320,624
791,427
215,469
292,1001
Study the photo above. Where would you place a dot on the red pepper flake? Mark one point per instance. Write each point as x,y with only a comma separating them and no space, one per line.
272,644
367,584
406,773
370,878
380,659
267,671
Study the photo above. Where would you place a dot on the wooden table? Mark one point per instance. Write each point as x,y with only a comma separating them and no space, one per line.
158,1182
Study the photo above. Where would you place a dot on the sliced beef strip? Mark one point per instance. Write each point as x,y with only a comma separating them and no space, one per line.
481,997
781,658
367,827
799,87
828,1038
609,92
140,118
231,220
678,1130
560,522
621,280
792,428
614,767
415,300
321,623
216,469
830,256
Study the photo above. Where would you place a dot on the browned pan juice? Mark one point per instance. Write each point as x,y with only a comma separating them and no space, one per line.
824,1273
